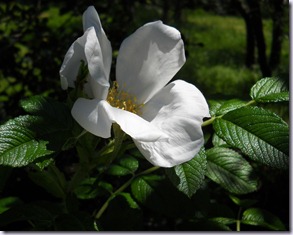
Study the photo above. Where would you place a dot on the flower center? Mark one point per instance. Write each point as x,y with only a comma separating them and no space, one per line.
122,100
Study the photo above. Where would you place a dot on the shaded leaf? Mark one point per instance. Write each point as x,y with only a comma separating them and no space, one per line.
124,166
8,202
159,195
41,214
243,202
260,217
91,188
227,168
54,122
52,180
260,134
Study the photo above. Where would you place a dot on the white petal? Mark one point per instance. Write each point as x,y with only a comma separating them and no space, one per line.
96,116
91,115
70,66
177,110
133,125
86,48
148,59
92,19
98,79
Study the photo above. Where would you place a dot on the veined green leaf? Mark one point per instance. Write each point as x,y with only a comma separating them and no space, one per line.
188,177
258,133
18,145
224,106
270,90
218,142
227,168
260,217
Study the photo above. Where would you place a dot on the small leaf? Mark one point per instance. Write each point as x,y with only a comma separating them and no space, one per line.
221,107
124,166
270,90
243,202
91,188
8,202
18,144
227,168
189,176
258,133
260,217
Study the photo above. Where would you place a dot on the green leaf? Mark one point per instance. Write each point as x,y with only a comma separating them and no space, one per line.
218,142
260,217
224,106
124,166
54,123
258,133
18,144
143,187
270,90
40,214
189,176
91,188
227,168
51,179
8,202
159,195
243,202
47,107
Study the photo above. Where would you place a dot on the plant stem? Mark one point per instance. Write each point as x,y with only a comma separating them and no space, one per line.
122,188
208,122
238,221
212,119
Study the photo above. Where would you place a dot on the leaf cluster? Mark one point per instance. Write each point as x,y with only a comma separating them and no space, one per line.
94,184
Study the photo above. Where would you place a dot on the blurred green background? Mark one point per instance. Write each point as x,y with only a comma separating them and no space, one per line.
224,40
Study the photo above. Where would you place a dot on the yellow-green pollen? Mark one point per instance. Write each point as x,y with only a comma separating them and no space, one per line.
122,100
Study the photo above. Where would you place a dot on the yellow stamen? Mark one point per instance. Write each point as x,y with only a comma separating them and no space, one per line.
122,100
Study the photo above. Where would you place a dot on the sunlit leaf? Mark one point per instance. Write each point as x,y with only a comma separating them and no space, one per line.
270,90
260,134
224,106
18,144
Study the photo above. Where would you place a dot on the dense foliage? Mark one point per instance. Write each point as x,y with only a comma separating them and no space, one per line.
53,176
